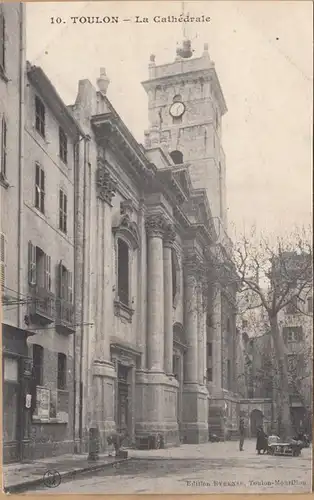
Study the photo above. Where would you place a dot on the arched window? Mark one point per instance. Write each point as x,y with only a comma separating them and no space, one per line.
177,157
123,272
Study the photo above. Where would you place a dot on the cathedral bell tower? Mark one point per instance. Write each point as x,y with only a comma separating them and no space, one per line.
185,109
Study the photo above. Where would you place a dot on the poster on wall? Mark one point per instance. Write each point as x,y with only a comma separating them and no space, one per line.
43,403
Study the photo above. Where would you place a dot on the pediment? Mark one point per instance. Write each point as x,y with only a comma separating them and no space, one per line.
128,229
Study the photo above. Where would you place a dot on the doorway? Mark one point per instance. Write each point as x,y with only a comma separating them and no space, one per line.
122,422
12,422
256,420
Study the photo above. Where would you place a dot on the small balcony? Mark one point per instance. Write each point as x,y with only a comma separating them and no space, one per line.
42,306
65,317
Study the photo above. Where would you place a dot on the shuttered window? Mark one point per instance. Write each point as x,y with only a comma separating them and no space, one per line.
31,264
65,283
63,146
39,188
40,116
47,272
63,211
39,267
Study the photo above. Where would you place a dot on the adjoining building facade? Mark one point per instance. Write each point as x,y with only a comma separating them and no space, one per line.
16,363
51,162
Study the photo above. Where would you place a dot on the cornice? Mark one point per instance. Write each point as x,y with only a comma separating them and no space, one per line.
110,131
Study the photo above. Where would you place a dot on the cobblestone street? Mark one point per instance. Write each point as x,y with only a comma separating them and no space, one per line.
210,467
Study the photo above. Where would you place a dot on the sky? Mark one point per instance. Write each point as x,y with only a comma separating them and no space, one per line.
263,56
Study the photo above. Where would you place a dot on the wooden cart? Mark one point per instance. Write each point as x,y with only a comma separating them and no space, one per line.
285,449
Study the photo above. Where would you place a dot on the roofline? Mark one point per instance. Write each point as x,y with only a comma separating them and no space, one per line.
33,70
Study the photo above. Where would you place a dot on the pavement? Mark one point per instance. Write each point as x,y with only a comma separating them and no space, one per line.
192,469
23,476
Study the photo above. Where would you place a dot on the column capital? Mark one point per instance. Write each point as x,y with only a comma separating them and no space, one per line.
194,267
169,236
156,225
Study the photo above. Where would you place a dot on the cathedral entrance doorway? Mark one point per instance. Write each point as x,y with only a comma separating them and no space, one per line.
122,422
256,420
179,349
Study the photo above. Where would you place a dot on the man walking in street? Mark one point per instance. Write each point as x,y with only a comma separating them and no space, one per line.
241,432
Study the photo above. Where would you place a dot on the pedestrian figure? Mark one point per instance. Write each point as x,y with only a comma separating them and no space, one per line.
261,441
241,431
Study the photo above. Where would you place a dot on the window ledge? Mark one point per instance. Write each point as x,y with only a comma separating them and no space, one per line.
4,181
123,311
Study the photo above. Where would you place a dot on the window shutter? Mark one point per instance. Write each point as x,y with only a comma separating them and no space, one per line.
31,264
47,261
60,281
70,288
42,190
2,261
65,212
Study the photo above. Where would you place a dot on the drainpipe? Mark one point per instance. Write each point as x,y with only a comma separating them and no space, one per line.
20,242
75,179
86,158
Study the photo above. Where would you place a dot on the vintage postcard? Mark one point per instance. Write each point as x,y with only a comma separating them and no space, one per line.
156,247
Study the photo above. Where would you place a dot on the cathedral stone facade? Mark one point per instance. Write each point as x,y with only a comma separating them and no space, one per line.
157,309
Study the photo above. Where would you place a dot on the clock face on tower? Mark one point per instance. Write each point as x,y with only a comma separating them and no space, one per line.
177,109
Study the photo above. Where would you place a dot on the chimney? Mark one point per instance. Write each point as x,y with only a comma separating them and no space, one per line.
103,81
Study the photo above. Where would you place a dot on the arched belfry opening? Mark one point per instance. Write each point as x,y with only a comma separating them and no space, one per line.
177,157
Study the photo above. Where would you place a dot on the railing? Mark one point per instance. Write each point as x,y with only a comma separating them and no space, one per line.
65,315
42,305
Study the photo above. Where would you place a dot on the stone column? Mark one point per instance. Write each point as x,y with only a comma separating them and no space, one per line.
191,324
155,226
200,339
168,299
217,338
